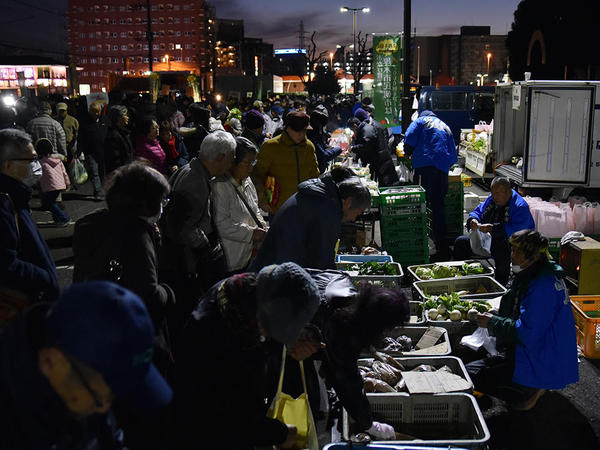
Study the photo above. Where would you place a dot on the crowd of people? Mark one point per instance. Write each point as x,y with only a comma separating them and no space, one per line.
215,249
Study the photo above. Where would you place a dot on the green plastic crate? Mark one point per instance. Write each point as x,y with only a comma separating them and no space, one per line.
396,200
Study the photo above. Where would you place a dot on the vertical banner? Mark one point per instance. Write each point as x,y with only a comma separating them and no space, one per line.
387,67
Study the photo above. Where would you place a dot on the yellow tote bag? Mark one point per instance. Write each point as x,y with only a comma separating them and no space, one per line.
295,411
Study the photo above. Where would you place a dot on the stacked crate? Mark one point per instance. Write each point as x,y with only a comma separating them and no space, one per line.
455,205
404,224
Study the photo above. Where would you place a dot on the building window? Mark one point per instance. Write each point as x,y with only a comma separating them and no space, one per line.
83,48
140,59
186,20
100,60
123,34
154,7
84,61
155,47
178,33
177,20
94,86
101,73
107,47
115,47
121,8
93,74
92,48
115,60
123,22
155,59
106,34
139,46
145,60
188,46
154,21
85,74
162,46
123,47
93,61
188,59
114,35
161,20
113,21
175,7
186,7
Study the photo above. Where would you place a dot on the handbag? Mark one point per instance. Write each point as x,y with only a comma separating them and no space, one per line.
295,411
12,301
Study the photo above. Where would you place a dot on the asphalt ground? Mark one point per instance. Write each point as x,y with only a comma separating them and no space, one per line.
565,419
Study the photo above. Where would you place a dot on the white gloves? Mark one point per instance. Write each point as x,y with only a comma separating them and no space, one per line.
382,431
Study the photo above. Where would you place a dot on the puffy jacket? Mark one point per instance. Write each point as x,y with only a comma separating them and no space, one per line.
25,260
535,319
288,162
32,415
305,229
517,216
54,175
152,151
45,126
91,137
432,142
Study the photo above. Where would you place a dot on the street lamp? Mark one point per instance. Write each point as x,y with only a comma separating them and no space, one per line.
489,56
354,26
331,61
168,61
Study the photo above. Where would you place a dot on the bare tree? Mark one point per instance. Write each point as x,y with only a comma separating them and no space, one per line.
309,61
362,63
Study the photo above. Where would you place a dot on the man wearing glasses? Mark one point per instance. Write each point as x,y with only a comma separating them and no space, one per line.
63,364
27,271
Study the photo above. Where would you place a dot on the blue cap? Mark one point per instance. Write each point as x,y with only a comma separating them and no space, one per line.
361,114
108,328
278,109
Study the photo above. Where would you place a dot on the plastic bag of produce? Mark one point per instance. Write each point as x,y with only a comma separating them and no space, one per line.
481,243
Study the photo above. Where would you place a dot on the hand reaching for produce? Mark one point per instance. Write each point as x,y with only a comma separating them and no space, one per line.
383,431
483,319
486,227
290,442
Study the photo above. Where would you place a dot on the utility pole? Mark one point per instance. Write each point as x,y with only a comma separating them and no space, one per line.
149,36
406,100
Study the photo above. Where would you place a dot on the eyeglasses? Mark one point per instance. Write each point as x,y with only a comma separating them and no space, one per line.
250,164
98,402
165,201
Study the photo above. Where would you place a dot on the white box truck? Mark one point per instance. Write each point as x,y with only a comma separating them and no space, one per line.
555,127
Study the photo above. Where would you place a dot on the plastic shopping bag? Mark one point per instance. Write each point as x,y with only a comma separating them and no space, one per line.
480,338
295,411
77,172
481,243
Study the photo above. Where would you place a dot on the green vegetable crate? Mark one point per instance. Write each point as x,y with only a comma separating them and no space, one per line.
452,265
487,287
390,274
398,200
442,420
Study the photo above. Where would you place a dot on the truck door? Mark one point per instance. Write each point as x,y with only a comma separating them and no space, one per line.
558,135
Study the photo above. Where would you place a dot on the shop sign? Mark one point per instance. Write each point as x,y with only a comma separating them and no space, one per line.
388,58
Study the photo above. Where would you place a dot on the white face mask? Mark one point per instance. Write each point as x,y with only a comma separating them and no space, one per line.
155,218
516,268
34,173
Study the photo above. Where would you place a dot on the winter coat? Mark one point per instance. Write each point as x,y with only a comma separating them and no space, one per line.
233,221
71,127
220,377
175,152
45,126
54,175
32,415
342,346
118,149
91,138
152,151
306,228
288,162
257,139
324,152
25,260
507,220
273,125
535,320
187,223
432,142
371,148
133,243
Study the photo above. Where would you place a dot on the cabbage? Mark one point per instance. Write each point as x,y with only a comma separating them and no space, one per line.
424,273
473,268
442,272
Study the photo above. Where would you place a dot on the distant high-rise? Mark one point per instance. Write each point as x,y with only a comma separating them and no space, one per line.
112,37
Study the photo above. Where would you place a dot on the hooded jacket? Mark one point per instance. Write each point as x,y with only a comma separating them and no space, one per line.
371,148
535,321
25,260
54,175
324,152
432,142
306,228
32,415
152,151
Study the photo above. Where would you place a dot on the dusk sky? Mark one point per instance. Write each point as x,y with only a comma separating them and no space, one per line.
40,23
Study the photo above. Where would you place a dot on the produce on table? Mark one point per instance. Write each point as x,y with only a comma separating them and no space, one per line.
400,344
379,376
452,307
374,268
438,271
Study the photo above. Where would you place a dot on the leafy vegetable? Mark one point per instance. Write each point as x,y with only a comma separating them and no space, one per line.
472,268
451,306
374,268
424,273
442,272
437,271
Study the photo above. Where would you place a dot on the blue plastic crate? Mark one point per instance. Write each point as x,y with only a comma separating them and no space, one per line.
364,258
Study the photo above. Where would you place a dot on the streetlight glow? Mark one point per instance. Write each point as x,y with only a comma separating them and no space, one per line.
354,29
344,9
366,10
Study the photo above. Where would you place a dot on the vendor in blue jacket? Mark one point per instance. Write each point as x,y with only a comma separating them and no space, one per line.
431,144
503,213
534,329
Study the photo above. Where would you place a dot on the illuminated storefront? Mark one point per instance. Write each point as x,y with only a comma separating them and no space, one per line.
51,78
